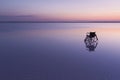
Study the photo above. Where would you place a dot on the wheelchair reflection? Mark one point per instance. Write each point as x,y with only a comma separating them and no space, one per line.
91,41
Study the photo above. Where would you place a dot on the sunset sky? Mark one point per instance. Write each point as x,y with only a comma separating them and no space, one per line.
59,10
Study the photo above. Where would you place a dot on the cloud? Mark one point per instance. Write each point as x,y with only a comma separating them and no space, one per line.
18,18
28,18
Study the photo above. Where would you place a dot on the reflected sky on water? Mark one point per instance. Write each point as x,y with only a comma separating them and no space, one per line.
57,51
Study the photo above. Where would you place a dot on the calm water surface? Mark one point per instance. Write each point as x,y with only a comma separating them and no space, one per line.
57,51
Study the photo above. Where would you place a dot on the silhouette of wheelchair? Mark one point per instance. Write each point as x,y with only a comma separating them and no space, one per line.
91,41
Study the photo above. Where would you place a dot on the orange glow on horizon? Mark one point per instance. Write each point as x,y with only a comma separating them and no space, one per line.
72,17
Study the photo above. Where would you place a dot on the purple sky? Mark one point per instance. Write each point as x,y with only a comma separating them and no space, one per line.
50,10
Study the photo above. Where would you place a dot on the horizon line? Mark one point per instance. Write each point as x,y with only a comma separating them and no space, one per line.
97,21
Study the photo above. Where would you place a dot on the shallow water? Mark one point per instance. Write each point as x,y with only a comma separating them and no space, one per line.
57,51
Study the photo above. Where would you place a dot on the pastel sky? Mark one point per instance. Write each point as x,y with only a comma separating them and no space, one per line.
57,10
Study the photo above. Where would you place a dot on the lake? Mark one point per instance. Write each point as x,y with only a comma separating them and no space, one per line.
58,51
